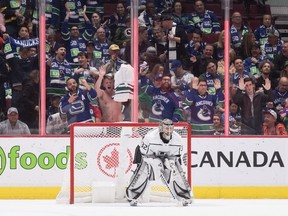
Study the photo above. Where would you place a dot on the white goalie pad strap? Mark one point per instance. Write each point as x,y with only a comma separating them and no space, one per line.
139,182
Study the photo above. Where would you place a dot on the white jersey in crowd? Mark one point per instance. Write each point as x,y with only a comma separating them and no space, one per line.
19,128
152,144
55,125
186,78
124,86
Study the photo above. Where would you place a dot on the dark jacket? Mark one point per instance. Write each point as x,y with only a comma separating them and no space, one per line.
253,123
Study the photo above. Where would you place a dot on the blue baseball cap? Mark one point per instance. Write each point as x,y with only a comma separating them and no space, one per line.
175,64
158,76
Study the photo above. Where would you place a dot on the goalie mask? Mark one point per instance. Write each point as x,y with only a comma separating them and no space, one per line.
166,128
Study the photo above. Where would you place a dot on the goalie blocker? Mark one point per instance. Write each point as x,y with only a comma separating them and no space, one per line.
159,157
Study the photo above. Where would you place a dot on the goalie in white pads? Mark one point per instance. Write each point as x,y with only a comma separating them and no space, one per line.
159,156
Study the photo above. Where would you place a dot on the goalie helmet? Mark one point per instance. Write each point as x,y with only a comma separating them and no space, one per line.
166,128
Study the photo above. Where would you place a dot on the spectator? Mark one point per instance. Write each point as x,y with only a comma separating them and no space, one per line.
261,33
59,71
196,45
90,74
4,81
76,103
13,126
218,53
239,71
159,42
246,44
221,66
94,6
176,38
85,71
284,114
14,15
146,17
114,63
147,76
270,126
150,56
284,72
181,79
123,34
202,105
251,104
29,102
273,45
77,13
12,45
204,19
104,86
21,66
100,48
145,100
51,44
199,63
75,42
117,19
218,126
57,124
234,118
180,18
251,64
143,44
280,93
237,30
165,102
279,60
52,15
96,20
266,69
54,105
211,75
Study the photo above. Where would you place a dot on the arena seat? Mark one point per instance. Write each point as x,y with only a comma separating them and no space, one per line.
215,7
210,38
254,23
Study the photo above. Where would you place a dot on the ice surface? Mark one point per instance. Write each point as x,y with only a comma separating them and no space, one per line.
201,207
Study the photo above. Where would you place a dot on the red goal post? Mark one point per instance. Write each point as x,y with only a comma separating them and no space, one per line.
103,152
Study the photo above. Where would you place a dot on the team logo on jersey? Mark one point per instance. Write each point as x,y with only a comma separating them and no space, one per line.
204,114
109,157
157,108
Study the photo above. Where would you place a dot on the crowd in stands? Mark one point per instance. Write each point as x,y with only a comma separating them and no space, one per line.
89,77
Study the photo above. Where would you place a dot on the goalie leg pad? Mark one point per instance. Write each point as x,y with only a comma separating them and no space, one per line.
179,184
138,183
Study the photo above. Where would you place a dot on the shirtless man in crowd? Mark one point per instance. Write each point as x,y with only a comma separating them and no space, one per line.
111,110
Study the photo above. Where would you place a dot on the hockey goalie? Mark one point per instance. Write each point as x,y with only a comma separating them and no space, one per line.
159,156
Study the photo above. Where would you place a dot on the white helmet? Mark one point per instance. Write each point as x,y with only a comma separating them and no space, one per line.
166,128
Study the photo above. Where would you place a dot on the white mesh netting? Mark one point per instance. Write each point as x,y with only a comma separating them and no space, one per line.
104,153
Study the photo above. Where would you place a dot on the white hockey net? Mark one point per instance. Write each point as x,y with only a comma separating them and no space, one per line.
102,154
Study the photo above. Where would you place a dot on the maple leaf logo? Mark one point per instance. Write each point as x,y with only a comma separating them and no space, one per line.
112,161
109,162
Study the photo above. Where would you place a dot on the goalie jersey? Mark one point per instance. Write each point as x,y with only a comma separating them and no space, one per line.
153,146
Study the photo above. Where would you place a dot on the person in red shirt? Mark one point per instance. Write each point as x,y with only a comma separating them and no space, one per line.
270,126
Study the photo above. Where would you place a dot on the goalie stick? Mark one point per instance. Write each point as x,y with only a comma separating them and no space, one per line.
168,186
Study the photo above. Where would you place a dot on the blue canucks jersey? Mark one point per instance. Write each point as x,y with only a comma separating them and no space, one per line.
165,104
208,22
79,110
202,106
